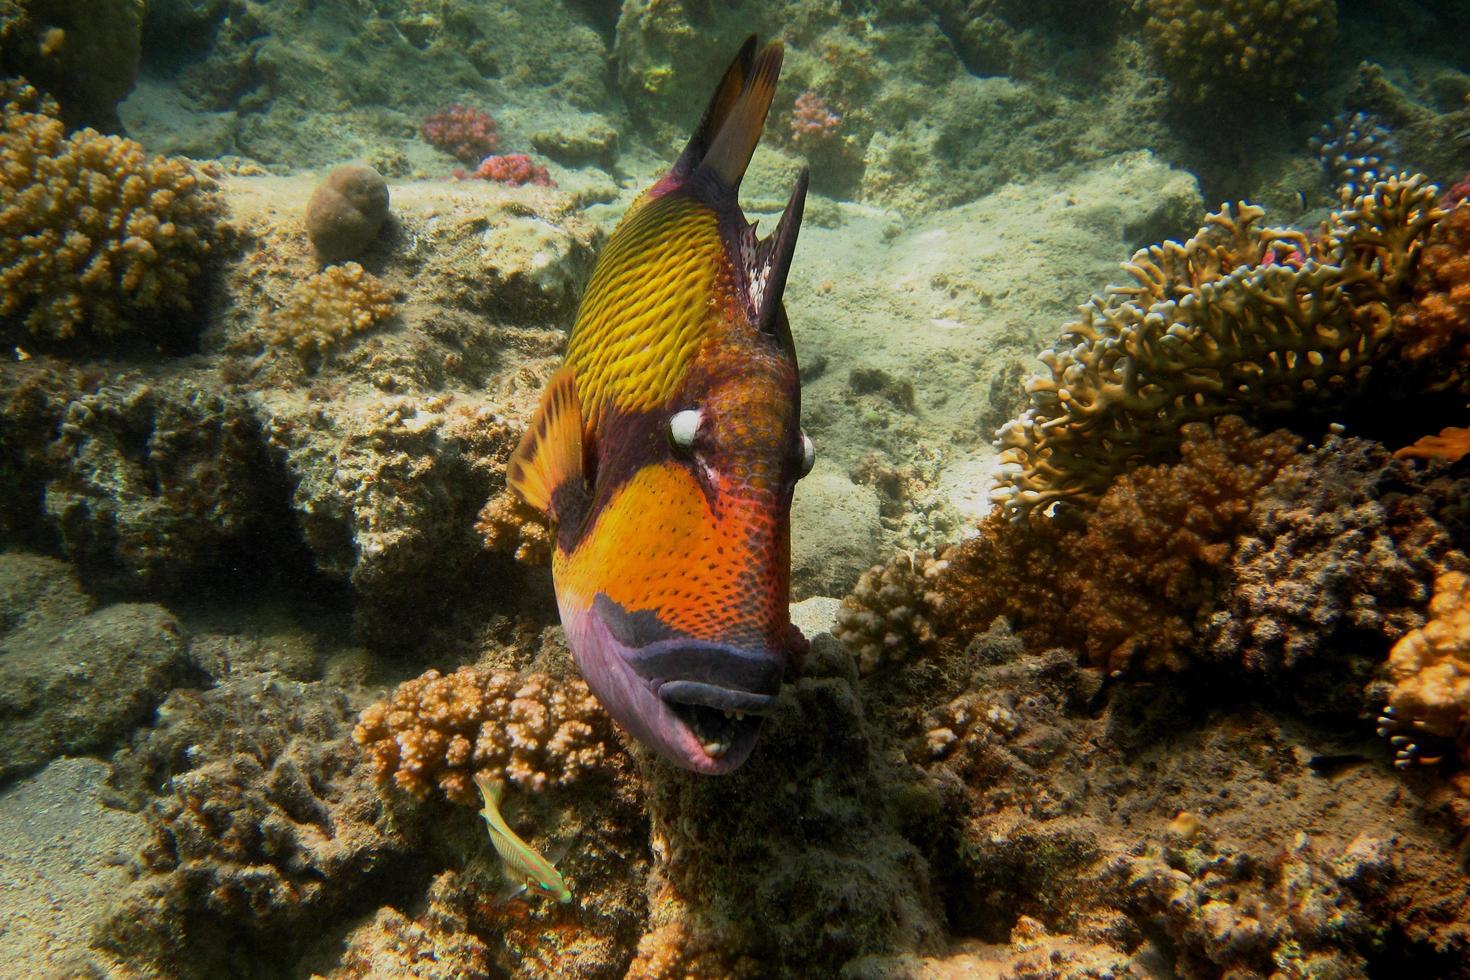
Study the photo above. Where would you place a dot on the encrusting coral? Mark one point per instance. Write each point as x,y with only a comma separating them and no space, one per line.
329,307
439,730
1241,319
1212,50
1430,668
95,234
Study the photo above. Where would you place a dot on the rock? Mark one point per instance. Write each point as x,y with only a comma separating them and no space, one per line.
835,533
73,679
346,212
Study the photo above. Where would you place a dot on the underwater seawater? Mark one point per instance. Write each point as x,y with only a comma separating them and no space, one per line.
669,489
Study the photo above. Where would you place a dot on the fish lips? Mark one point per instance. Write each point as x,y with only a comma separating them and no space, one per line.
697,703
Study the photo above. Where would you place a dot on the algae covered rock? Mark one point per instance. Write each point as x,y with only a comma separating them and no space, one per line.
84,52
75,677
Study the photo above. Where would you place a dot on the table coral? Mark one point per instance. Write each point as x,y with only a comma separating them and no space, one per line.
1211,50
1430,667
436,730
96,236
329,307
1209,328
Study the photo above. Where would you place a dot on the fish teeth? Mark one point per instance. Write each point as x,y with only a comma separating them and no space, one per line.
739,716
716,749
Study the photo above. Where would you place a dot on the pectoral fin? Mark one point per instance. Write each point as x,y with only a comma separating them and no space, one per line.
547,469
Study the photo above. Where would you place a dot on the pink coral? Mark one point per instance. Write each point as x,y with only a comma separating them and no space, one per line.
812,120
514,169
464,133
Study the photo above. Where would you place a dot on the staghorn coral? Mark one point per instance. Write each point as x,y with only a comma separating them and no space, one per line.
436,730
95,235
1211,51
1214,327
886,618
1430,668
328,307
1436,324
507,524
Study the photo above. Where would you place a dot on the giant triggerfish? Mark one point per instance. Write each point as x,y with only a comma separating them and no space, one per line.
666,448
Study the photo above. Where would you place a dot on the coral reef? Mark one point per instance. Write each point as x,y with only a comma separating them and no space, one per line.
514,169
885,617
1436,323
1357,152
329,307
84,52
263,834
438,731
812,120
1335,562
75,677
465,133
346,211
1430,670
1209,328
1211,52
96,237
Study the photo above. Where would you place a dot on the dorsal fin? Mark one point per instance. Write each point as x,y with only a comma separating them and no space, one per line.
773,259
717,111
736,134
546,469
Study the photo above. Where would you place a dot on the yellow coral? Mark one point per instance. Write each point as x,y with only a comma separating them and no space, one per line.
93,231
531,731
329,307
1211,48
1239,319
1430,666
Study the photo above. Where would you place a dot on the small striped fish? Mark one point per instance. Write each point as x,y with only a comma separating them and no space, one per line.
520,860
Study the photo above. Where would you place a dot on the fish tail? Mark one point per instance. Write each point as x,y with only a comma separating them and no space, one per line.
732,125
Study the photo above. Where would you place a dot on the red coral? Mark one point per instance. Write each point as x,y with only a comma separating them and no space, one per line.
812,120
1457,194
514,169
464,133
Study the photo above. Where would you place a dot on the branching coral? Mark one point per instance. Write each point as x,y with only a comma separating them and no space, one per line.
1437,322
1430,668
465,133
886,618
329,307
1355,150
94,233
1211,327
437,730
507,524
1213,50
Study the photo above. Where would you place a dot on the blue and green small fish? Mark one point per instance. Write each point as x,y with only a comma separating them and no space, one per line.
520,860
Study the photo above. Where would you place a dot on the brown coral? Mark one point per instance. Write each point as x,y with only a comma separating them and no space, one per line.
94,234
1430,667
329,307
1437,322
1219,325
507,524
1212,50
436,730
886,618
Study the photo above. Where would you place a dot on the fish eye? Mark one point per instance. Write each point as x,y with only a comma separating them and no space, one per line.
808,454
683,426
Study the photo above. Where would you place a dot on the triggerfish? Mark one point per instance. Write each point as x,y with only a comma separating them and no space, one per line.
666,449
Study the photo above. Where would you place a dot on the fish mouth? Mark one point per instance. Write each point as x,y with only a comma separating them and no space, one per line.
696,703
